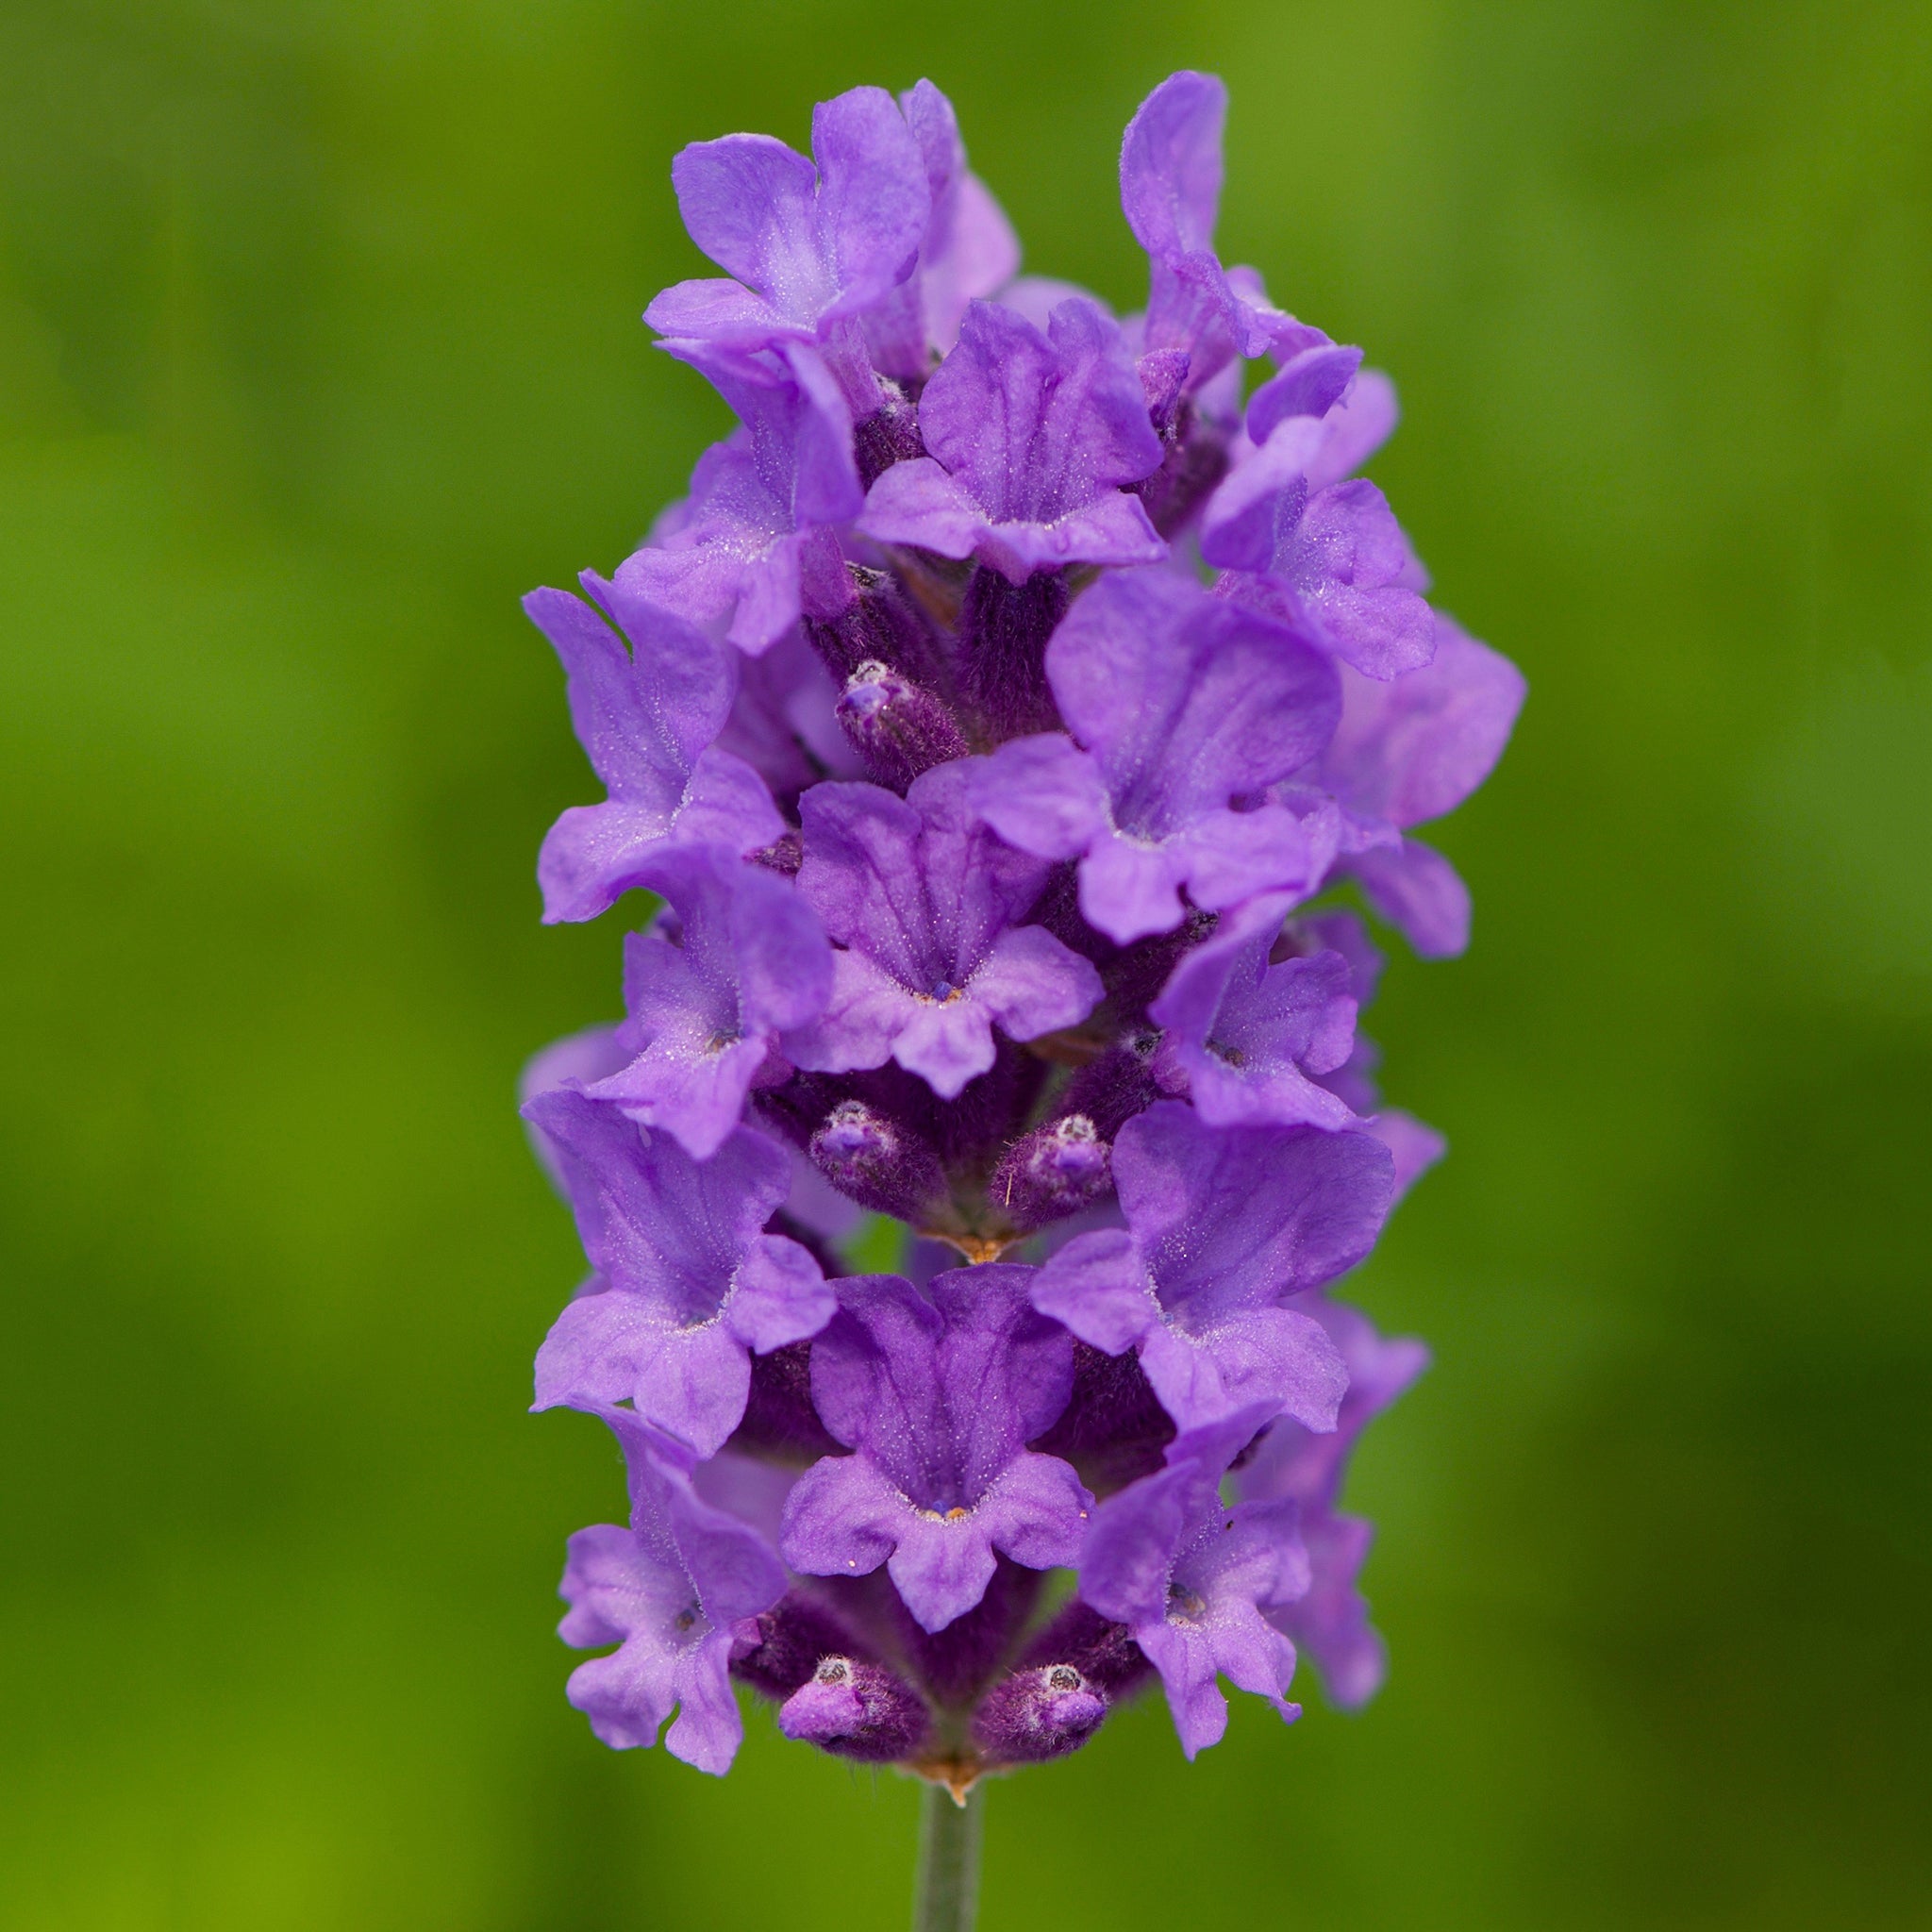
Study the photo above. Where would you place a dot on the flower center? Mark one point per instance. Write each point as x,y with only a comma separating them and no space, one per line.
1183,1605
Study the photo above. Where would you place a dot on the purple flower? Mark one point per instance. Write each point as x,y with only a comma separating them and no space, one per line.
686,1286
647,718
752,962
806,245
669,1591
1198,1583
1333,560
938,1399
1331,1621
1170,193
1245,1036
1410,750
1049,976
927,903
1223,1226
969,249
1182,705
753,545
1032,439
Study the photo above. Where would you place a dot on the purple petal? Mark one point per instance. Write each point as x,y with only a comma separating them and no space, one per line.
1415,1146
1098,1286
876,1378
1129,890
1357,427
1417,890
579,1059
727,803
1204,1372
780,1295
977,257
948,1044
1171,165
641,716
1230,1219
1114,528
1228,856
747,202
1031,983
1256,509
918,503
1036,427
1042,794
874,198
1130,1547
711,309
844,1518
703,1014
613,1347
868,1011
1189,1671
670,1236
1309,383
668,1590
1414,747
1349,562
593,854
681,1085
1007,1371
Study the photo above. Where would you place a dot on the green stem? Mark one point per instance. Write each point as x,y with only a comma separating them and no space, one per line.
946,1891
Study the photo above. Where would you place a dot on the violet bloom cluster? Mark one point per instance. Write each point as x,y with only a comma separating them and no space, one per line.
994,723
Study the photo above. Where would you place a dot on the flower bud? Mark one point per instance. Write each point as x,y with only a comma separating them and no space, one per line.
1055,1170
1038,1714
855,1709
898,727
874,1160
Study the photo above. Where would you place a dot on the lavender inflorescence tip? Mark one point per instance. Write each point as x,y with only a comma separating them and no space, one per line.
994,721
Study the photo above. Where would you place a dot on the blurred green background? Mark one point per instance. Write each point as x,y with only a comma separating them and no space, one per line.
319,344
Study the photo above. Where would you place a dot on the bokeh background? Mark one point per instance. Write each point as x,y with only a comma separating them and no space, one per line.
319,344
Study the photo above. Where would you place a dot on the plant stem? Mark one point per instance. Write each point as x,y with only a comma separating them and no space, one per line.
946,1890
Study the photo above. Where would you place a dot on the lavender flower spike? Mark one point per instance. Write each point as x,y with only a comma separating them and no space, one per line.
750,963
927,906
671,1591
1181,704
986,718
1198,1583
1032,439
686,1287
938,1399
1223,1226
647,718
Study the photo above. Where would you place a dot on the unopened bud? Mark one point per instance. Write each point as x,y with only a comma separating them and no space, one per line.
876,1162
855,1709
898,727
1055,1170
1037,1714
